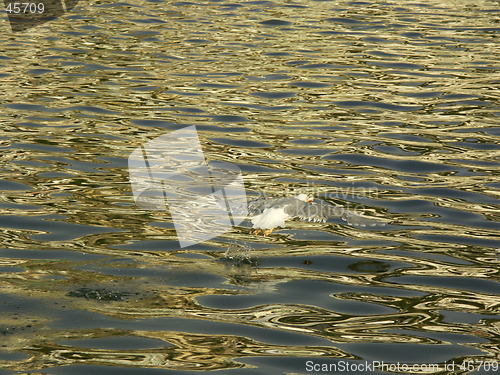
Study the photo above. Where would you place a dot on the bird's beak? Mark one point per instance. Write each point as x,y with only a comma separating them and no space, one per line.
310,198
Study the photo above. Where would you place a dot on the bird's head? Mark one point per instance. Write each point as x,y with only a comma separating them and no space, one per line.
305,197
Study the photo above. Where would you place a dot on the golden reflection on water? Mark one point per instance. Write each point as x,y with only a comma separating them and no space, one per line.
323,96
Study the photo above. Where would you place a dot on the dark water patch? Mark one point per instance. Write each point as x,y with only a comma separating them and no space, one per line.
90,27
91,320
162,224
11,185
277,54
97,137
475,162
31,107
201,41
383,54
39,72
165,244
413,166
81,166
269,77
450,282
462,317
85,369
96,67
17,206
214,75
387,106
117,343
314,235
394,150
11,269
453,338
336,171
182,93
167,57
192,279
411,205
273,95
476,145
14,357
468,196
180,109
429,94
466,103
409,353
135,270
275,22
324,66
411,34
114,162
36,164
269,161
231,6
457,96
193,256
223,129
426,255
117,5
307,141
252,168
217,85
378,40
306,151
488,130
159,123
297,292
407,137
309,85
49,254
308,363
434,213
345,20
230,118
396,65
459,240
56,230
260,107
42,145
240,142
332,263
369,266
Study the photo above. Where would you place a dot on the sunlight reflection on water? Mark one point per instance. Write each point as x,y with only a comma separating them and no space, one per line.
388,109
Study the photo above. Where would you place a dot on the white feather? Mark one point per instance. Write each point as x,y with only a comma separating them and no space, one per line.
270,218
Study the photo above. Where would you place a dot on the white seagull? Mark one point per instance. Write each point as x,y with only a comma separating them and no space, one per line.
267,214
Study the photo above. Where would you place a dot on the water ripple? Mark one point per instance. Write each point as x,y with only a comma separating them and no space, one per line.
387,109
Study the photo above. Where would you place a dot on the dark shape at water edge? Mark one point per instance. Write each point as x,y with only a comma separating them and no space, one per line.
23,16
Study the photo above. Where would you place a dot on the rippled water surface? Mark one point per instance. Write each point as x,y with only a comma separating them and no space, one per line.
388,108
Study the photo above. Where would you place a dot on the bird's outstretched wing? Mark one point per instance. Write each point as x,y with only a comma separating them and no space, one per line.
320,212
258,206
